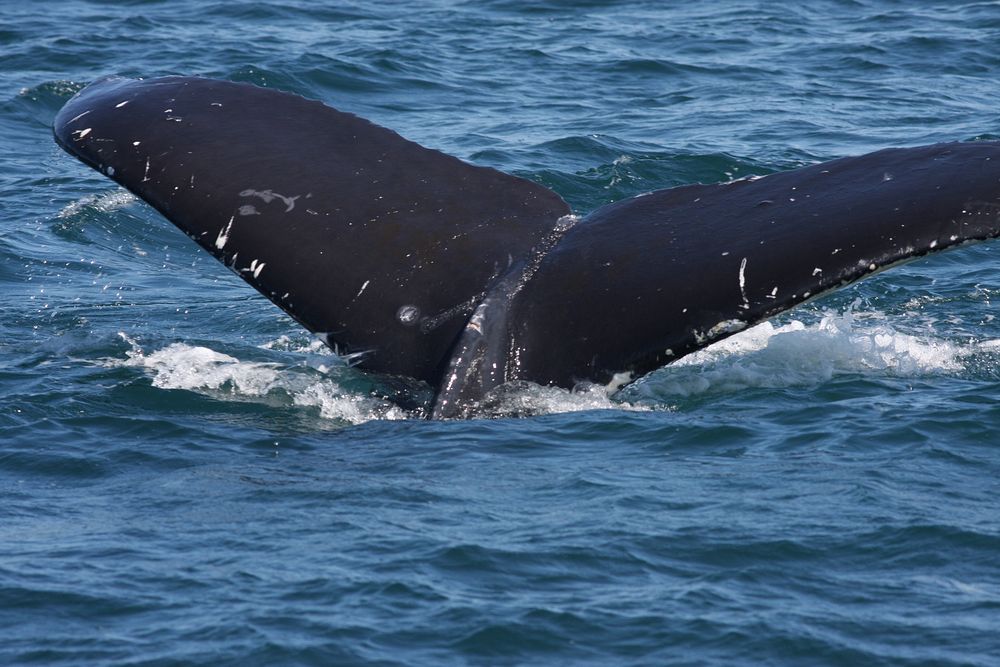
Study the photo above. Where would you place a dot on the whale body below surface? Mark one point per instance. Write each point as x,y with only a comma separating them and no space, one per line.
466,278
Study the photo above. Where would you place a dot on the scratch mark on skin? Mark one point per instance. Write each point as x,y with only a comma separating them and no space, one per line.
76,118
363,288
80,134
121,104
743,284
145,175
269,196
408,314
256,268
220,241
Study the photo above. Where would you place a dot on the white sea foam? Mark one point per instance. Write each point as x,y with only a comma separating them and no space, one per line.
768,356
180,366
796,354
527,398
203,370
104,202
299,344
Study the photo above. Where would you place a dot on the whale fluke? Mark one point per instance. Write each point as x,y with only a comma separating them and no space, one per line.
463,277
381,245
677,269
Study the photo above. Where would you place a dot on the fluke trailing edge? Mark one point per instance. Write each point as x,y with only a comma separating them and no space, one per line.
467,278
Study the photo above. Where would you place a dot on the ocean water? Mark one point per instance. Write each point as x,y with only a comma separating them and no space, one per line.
187,477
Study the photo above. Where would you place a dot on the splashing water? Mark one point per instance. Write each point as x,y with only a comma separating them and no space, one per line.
203,370
105,203
764,356
793,354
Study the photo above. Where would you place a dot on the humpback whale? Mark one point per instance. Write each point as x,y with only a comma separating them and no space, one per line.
421,265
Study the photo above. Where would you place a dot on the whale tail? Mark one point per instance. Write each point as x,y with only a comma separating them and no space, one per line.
381,245
464,277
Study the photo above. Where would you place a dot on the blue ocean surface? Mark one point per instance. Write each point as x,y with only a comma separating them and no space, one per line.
187,477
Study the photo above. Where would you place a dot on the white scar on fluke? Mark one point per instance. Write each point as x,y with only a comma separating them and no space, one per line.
743,284
223,238
256,266
269,195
